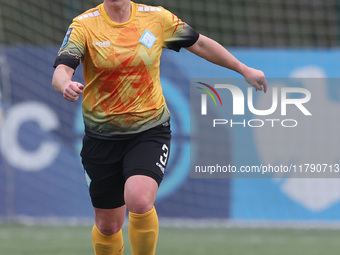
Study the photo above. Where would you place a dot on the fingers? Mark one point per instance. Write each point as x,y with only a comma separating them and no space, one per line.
264,84
80,86
256,85
72,91
261,81
259,85
257,79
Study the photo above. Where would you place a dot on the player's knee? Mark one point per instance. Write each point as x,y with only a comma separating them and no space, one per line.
139,203
110,222
140,194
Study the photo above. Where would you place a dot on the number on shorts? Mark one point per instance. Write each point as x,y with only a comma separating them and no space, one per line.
164,158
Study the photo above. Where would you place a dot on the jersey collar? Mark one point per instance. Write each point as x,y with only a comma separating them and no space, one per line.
133,14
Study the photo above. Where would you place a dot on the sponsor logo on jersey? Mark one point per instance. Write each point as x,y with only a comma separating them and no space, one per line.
102,44
148,39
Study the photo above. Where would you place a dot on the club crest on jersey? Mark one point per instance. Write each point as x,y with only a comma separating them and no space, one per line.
67,37
148,39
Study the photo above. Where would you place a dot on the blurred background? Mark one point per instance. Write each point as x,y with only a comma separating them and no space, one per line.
41,177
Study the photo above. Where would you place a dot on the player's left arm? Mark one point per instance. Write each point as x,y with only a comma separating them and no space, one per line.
215,53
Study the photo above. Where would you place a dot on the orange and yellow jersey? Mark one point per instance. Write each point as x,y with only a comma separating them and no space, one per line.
123,94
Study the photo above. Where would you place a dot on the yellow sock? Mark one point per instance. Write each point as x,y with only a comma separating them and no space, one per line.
143,232
107,245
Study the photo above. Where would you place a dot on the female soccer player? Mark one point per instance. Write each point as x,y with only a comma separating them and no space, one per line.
127,131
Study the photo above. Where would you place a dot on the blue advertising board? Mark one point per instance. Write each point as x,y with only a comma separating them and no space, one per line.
40,170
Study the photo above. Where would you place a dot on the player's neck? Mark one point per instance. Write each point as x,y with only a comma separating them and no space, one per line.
119,13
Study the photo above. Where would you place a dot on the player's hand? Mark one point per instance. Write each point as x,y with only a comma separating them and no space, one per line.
72,91
256,78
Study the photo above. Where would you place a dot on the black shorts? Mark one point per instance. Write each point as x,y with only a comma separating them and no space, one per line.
109,163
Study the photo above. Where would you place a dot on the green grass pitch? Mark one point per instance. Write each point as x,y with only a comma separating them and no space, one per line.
70,240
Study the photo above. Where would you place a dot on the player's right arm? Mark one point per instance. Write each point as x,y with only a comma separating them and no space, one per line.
62,82
68,59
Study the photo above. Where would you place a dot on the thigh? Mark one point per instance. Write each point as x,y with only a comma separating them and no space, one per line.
103,167
106,185
148,154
